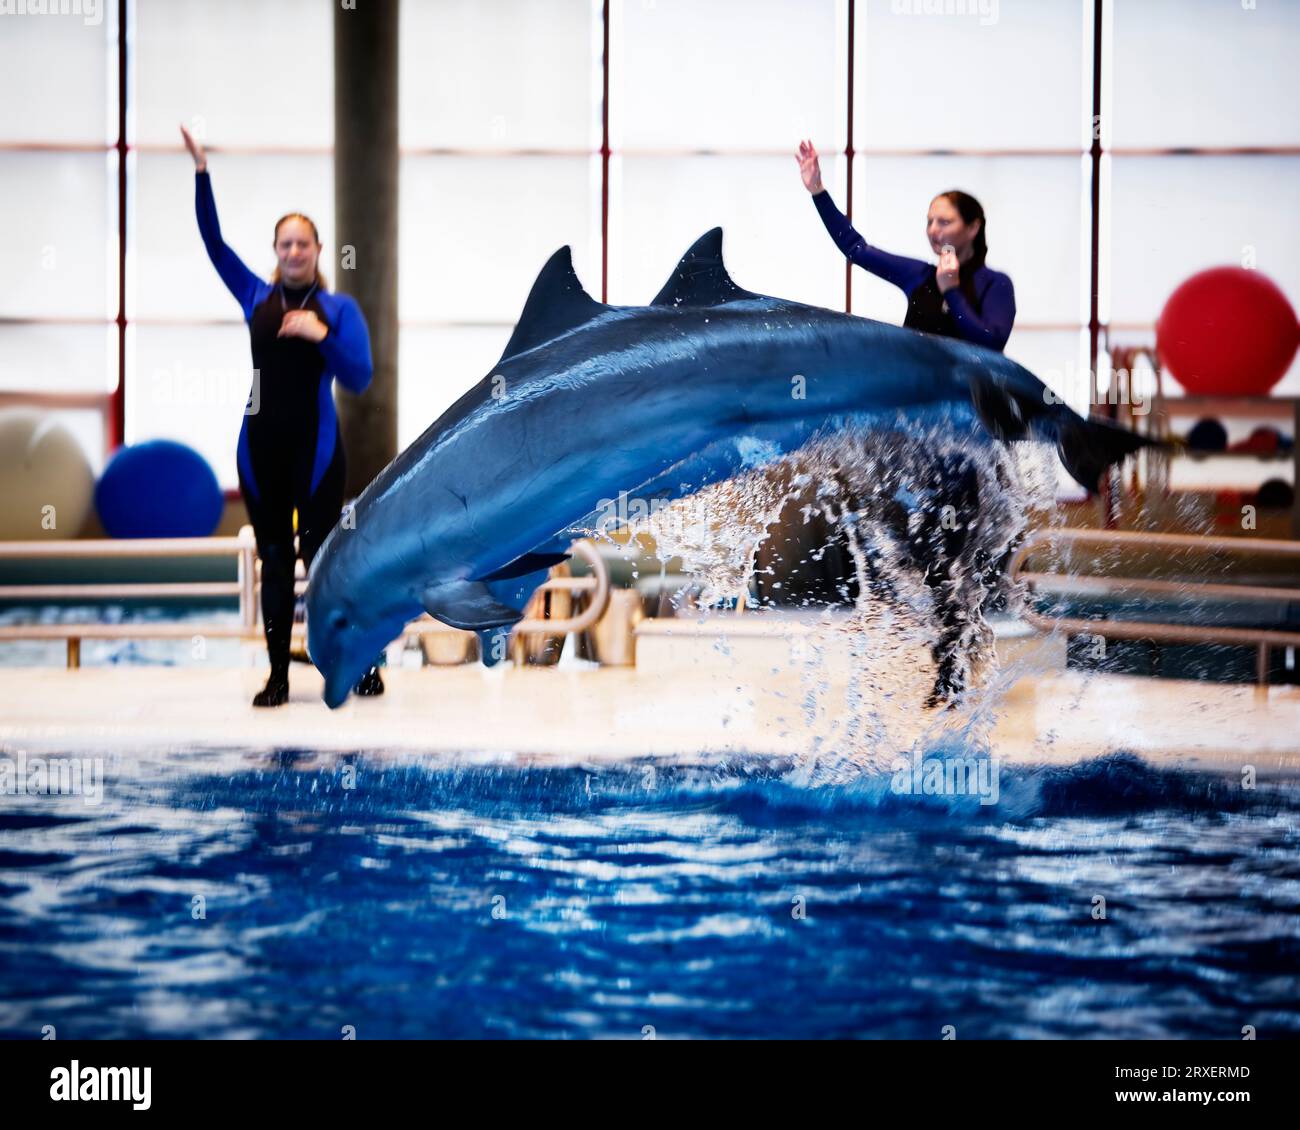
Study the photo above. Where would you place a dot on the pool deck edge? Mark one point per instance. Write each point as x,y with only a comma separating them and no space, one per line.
584,714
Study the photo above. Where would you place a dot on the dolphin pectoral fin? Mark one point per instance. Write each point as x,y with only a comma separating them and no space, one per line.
522,566
467,604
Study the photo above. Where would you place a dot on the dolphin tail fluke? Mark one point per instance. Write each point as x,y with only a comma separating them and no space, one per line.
1088,447
469,605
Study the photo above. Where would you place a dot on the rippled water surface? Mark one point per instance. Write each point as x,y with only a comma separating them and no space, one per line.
227,895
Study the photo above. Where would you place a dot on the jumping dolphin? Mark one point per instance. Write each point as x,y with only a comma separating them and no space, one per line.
591,400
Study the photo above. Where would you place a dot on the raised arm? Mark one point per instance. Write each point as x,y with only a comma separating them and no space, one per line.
906,274
239,280
999,314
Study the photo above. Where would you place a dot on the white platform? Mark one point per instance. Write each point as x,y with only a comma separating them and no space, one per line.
592,714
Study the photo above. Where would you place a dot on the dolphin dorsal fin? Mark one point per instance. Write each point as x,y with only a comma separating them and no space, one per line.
700,278
556,304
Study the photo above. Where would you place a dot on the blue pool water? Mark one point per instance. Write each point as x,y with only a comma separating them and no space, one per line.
498,900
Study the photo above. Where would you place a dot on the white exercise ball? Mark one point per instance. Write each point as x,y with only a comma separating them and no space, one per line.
46,484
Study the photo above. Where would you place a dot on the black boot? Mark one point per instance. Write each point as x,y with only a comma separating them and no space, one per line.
276,691
370,684
950,680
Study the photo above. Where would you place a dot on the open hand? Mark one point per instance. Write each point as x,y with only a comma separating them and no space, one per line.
196,151
809,167
304,324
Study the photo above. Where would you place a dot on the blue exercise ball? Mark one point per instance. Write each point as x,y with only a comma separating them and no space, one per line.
158,489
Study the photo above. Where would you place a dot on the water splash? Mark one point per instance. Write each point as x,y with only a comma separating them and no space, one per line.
923,521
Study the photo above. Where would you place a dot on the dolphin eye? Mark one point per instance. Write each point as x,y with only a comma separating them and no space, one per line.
339,621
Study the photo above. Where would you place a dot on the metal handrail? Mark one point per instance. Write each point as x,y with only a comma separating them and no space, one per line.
1260,638
245,587
597,584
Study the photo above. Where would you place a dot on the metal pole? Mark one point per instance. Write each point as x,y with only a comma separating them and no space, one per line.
365,212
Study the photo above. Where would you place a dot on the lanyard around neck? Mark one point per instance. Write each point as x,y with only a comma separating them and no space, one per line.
301,305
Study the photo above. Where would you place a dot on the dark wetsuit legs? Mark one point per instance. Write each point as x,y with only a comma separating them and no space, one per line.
282,487
937,546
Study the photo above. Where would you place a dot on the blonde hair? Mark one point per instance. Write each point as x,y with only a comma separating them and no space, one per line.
320,275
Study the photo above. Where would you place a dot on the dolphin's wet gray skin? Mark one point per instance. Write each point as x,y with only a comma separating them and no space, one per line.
590,400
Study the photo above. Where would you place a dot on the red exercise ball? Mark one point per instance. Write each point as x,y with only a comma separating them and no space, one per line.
1227,332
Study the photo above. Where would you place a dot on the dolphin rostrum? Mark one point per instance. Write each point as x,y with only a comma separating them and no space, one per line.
591,400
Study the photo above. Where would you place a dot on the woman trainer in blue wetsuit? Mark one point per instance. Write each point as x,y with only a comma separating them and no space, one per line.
961,297
290,454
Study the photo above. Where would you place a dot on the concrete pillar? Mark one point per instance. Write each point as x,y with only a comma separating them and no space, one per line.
365,216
